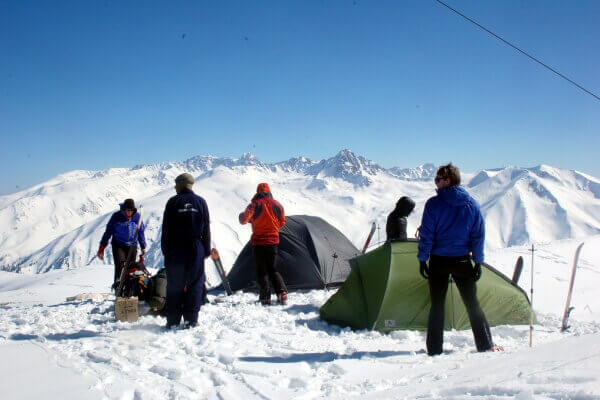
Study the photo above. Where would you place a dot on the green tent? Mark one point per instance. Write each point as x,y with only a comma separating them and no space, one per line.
385,292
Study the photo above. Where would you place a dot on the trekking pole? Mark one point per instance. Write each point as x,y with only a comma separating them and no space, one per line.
531,315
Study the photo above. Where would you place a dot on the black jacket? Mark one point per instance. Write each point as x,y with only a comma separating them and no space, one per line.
185,223
395,227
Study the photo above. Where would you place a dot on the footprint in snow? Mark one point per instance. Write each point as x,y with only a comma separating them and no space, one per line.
169,373
336,370
296,383
97,358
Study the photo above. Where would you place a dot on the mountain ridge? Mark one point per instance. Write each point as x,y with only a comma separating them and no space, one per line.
60,221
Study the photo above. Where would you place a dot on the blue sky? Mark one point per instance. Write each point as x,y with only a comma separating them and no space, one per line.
99,84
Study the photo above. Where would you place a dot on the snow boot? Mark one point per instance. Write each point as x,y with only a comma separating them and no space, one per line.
189,325
265,302
282,298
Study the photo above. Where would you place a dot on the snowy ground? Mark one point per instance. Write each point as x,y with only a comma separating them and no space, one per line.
59,349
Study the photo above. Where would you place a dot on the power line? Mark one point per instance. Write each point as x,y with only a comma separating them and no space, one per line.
518,49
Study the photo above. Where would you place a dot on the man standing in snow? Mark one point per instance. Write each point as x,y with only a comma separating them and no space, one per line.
185,243
267,217
123,228
451,228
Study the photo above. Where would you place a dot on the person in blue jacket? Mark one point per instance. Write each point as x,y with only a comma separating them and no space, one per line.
451,229
126,229
185,243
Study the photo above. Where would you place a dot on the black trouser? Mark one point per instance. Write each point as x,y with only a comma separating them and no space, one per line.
122,254
461,269
185,283
266,271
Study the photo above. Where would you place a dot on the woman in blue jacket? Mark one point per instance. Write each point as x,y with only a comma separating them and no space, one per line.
452,228
126,229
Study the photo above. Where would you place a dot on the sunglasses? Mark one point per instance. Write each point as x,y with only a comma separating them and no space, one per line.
439,178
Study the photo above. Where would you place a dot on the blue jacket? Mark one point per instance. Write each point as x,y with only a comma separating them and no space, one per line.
452,226
186,224
124,231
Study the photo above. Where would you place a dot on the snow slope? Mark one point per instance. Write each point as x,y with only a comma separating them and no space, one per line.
68,349
242,350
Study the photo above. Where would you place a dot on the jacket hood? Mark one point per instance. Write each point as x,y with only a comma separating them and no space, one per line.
263,187
455,196
404,206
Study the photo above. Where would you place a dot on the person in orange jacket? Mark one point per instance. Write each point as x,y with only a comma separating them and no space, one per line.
267,217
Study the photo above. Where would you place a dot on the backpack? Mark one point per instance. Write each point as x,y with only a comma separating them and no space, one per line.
137,282
158,298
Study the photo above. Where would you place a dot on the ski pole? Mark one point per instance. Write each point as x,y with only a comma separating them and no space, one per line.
93,258
531,315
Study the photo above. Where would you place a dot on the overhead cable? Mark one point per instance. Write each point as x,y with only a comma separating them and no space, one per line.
518,49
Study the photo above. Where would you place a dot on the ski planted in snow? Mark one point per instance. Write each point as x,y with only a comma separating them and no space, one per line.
373,226
568,307
214,254
518,270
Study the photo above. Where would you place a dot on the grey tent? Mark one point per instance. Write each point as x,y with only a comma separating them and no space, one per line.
312,254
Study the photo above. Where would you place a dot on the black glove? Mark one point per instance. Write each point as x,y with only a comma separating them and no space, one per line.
477,272
424,269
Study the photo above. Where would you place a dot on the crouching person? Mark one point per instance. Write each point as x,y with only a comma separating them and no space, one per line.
185,244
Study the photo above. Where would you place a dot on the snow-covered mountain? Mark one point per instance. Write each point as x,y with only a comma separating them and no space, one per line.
536,204
59,223
423,172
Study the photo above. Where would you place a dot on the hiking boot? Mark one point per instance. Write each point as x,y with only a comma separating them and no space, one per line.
265,302
189,325
282,298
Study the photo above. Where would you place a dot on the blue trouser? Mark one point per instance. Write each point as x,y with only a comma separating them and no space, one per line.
185,284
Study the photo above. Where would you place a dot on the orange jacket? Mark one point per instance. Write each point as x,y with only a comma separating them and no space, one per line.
266,216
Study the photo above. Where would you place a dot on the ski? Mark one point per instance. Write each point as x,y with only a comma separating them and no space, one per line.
214,254
568,307
518,269
373,226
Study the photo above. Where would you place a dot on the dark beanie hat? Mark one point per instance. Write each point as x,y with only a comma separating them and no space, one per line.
129,204
184,180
